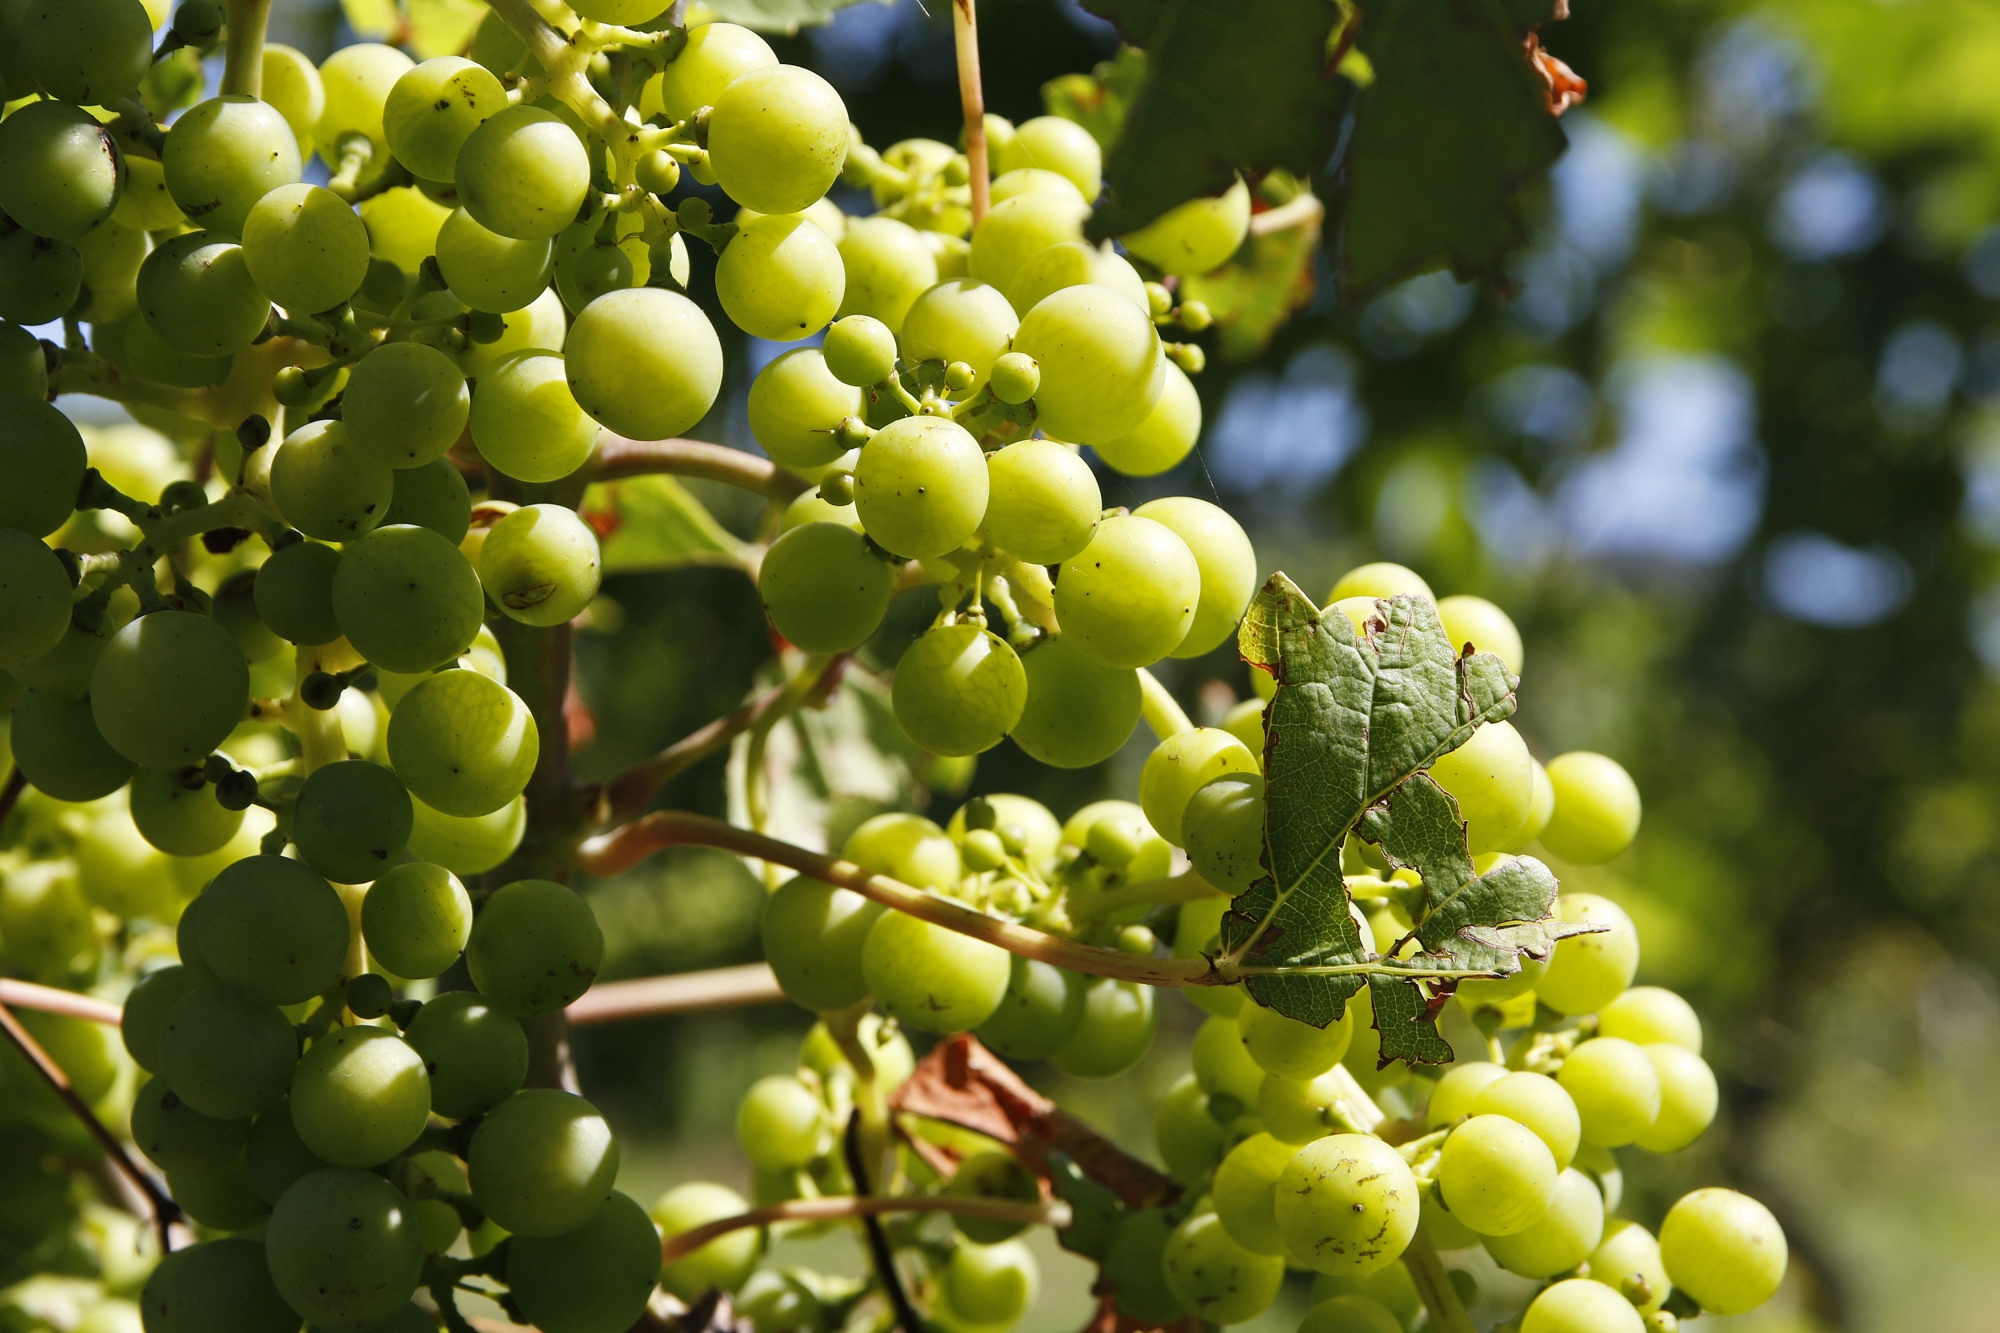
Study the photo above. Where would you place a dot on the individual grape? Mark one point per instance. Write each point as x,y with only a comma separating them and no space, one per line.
60,171
1380,579
1486,627
1587,972
276,1157
1581,1306
1616,1090
227,1056
1042,1009
644,362
1648,1014
1724,1249
1196,236
990,1286
1496,1176
886,267
542,1162
344,1249
294,593
405,404
526,421
1628,1260
119,871
1347,1204
491,272
1180,766
1188,1139
1223,828
1029,180
724,1262
535,947
176,1137
715,56
542,324
995,1174
1077,713
780,278
777,138
921,486
796,407
292,84
168,688
1540,806
905,847
351,820
859,350
1286,1046
433,496
407,598
1071,264
1228,567
196,294
307,250
1102,369
825,589
1245,1192
42,460
463,744
111,254
813,934
357,81
360,1096
1055,144
959,690
1596,812
1688,1098
960,319
178,818
1539,1102
1117,1029
930,978
144,203
433,108
1223,1066
468,846
1128,599
780,1124
1019,229
1563,1237
273,929
59,749
146,1008
1043,501
88,51
595,1279
1350,1314
416,918
24,366
1296,1111
40,279
34,598
476,1056
226,154
1215,1277
403,226
223,1284
523,173
1133,1267
327,485
1492,778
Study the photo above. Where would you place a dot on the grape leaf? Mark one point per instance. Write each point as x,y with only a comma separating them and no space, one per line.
1099,100
372,20
653,523
786,16
1407,1023
442,27
1268,279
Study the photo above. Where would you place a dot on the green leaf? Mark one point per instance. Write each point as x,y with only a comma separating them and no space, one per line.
652,523
442,27
786,16
1136,20
1095,1211
1263,285
372,20
1099,100
1407,1023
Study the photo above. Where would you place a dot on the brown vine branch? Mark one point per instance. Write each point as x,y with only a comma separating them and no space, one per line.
618,457
840,1207
972,100
687,992
49,1000
165,1211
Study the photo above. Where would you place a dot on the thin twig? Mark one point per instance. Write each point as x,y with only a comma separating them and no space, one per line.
618,457
165,1211
1302,211
1433,1283
878,1241
838,1207
1161,710
243,50
49,1000
687,992
972,100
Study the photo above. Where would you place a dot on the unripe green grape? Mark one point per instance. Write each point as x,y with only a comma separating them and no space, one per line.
146,1008
295,593
1596,812
60,751
780,278
1228,567
542,1162
196,294
273,929
144,353
1245,1192
1019,229
476,1056
35,598
405,404
433,496
1460,1087
1043,502
595,1279
292,84
1215,1277
1381,578
1197,927
1587,972
812,934
1541,805
351,820
960,319
1616,1090
1039,831
407,599
1350,1314
88,51
1492,777
887,266
826,591
1649,1014
465,745
777,138
1538,1102
523,173
644,362
326,485
42,459
176,1137
1628,1252
60,171
1561,1238
433,108
724,1262
930,978
491,272
921,486
24,367
715,56
1185,1135
360,1096
780,1124
591,262
169,688
343,1249
1286,1046
403,225
860,350
1042,1009
1688,1098
1724,1249
227,1056
226,154
1027,180
119,871
995,1174
1128,599
144,202
959,690
468,846
111,253
1196,236
1180,766
40,279
1072,264
1055,144
797,405
356,81
1077,713
1295,1111
306,249
1486,627
416,918
1221,1064
1102,370
990,1286
222,1284
1496,1176
540,565
179,819
535,947
1222,827
527,423
1117,1029
1580,1305
543,324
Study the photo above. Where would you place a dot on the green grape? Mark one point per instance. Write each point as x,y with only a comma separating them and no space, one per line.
535,947
1019,229
1476,621
1286,1046
1724,1249
360,1096
991,1286
1055,144
227,1056
813,933
1042,1009
226,154
1596,812
40,279
715,56
1295,1111
273,929
777,138
351,820
24,366
1391,1286
780,278
1477,991
416,918
1180,766
1581,1306
90,51
1117,1029
1649,1014
60,171
142,351
1071,264
644,362
1102,368
994,1174
50,934
905,847
1215,1277
1223,828
223,1286
34,598
168,688
859,350
796,406
294,592
1540,1103
176,1137
1044,503
111,253
146,1008
1688,1098
887,267
42,462
542,1162
930,978
523,173
405,404
1040,831
307,250
1380,579
540,565
722,1263
1221,1064
433,108
326,485
1628,1260
1228,567
187,938
1133,1268
1496,1176
921,486
407,599
825,589
403,226
591,260
1587,972
1197,927
1563,1237
1128,599
292,84
959,690
344,1250
1185,1135
119,871
144,203
1350,1314
196,294
66,667
780,1124
595,1279
1196,236
1492,777
526,421
1245,1192
276,1157
960,319
468,846
491,272
463,744
176,811
433,496
60,751
476,1056
1028,180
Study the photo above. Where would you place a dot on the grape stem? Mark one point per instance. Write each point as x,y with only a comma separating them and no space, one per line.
1162,712
563,61
965,34
840,1207
1306,210
1182,888
243,47
165,1211
879,1250
49,1000
686,992
1434,1285
617,457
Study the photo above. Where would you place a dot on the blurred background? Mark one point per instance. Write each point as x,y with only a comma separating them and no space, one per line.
1728,451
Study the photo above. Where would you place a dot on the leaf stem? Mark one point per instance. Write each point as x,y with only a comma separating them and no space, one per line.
972,99
840,1207
1434,1286
1161,710
685,992
618,457
243,50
